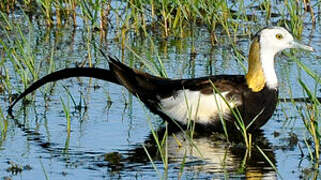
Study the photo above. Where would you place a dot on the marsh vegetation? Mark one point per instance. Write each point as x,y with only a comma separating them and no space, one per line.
86,128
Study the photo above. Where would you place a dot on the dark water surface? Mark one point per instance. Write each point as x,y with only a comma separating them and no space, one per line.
108,132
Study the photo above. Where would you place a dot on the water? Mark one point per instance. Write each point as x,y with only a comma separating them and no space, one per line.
106,140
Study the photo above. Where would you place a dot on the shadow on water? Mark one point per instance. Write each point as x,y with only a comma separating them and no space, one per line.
211,154
208,156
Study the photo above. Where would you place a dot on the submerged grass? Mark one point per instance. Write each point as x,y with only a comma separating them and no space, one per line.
44,170
310,112
3,127
67,114
162,145
269,161
311,118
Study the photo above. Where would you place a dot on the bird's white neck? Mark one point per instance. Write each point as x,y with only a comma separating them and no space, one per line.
267,60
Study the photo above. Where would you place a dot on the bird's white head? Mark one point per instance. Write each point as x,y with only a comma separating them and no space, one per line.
266,44
276,39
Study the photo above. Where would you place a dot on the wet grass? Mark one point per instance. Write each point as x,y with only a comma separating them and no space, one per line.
311,118
170,18
155,21
3,127
310,110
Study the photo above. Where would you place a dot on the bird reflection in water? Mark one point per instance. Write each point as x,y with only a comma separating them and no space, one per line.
210,154
204,155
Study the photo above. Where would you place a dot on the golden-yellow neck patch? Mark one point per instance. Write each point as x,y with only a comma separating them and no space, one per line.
255,77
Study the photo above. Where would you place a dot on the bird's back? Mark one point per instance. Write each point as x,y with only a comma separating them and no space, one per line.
205,100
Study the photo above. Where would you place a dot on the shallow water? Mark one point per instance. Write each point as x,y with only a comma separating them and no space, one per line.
106,140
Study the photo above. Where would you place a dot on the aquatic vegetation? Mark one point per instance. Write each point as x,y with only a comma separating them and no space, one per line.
3,127
180,39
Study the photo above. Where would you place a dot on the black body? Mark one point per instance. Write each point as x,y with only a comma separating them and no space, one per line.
150,89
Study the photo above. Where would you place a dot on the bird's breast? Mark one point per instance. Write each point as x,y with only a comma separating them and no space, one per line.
204,109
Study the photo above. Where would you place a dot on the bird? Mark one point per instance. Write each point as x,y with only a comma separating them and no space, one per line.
210,102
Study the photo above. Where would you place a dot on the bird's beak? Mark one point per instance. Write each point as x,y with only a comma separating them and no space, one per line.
301,46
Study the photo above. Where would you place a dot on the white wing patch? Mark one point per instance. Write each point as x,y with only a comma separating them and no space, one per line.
196,106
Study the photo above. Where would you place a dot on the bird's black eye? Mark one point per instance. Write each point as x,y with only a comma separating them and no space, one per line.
279,36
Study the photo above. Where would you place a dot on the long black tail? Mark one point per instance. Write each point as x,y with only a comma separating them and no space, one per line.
98,73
